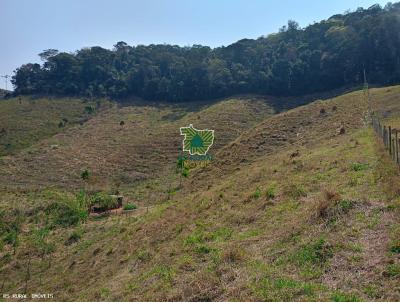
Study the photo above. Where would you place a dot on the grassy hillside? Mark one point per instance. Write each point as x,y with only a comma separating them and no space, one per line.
145,146
25,121
290,210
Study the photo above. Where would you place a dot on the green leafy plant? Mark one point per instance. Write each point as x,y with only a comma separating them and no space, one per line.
256,194
341,297
129,206
85,174
68,211
270,193
104,201
359,166
90,109
393,270
185,172
314,253
395,247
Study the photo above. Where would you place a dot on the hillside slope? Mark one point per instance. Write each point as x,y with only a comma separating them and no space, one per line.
24,121
125,145
276,217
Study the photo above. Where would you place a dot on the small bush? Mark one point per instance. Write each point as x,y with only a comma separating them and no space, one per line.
129,206
340,297
295,191
67,210
90,109
233,255
85,174
104,201
270,193
331,207
121,123
74,237
256,194
203,249
359,166
315,253
11,237
393,270
395,247
185,172
65,215
330,198
143,255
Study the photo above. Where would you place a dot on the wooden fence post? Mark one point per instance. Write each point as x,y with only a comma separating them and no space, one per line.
384,136
398,159
390,140
397,146
392,145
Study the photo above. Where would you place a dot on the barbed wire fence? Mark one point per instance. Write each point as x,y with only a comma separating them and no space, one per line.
389,136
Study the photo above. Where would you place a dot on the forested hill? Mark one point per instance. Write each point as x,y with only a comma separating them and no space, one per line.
326,55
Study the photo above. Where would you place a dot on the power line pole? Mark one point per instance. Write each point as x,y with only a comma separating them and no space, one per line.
6,79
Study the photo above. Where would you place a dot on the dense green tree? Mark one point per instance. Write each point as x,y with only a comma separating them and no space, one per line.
326,55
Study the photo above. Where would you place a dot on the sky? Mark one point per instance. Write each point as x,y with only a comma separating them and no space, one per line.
30,26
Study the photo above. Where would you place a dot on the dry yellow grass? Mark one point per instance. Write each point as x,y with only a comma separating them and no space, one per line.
244,229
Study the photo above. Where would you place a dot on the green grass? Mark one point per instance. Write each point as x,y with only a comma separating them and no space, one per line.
342,297
359,166
314,253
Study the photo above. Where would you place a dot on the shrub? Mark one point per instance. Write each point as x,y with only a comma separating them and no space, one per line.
256,194
65,215
340,297
68,211
104,201
11,237
332,207
89,109
185,172
393,270
143,255
359,166
315,253
233,254
74,237
330,198
85,174
270,193
295,191
129,206
395,247
203,249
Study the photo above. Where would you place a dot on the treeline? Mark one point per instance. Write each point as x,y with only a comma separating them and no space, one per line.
325,55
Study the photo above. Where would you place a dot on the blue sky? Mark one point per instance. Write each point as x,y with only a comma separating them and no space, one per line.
31,26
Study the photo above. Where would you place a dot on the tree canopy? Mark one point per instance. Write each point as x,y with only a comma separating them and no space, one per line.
326,55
